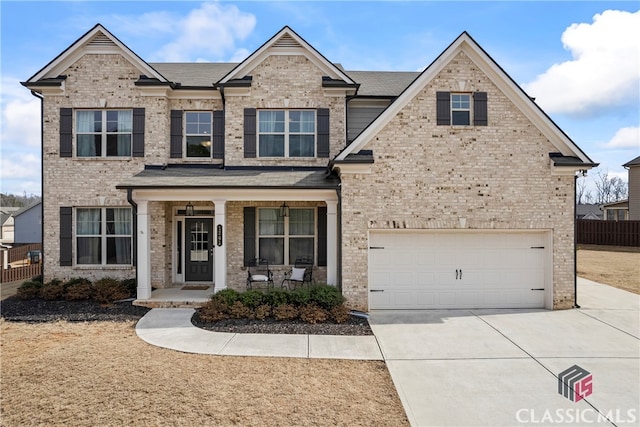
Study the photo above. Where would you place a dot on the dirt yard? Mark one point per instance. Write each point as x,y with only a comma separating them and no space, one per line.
617,266
88,374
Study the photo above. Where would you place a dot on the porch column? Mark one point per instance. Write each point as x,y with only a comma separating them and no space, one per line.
220,243
144,251
332,242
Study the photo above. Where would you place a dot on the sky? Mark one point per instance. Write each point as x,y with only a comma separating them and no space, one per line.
579,59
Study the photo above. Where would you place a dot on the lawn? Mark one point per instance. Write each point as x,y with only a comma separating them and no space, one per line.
617,266
101,373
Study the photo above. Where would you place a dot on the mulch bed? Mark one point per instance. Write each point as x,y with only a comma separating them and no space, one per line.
36,311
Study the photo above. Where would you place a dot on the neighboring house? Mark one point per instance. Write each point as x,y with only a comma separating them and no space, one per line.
616,211
28,224
6,225
406,189
633,167
589,211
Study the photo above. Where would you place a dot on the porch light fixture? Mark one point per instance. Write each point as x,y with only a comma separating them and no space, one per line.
284,209
188,210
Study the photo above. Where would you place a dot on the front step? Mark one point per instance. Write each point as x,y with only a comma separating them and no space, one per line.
168,304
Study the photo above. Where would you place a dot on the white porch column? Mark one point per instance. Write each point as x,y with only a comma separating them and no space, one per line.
144,251
220,278
332,242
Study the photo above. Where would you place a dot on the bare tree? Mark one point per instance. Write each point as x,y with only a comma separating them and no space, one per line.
583,194
609,189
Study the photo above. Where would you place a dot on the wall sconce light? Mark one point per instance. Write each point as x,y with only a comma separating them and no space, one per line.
284,209
188,210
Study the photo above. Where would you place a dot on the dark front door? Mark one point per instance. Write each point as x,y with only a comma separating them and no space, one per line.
199,253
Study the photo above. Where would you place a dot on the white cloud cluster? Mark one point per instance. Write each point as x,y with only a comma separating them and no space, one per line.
604,72
212,29
628,137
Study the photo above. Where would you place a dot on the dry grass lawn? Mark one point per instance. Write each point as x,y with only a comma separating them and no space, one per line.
616,266
90,374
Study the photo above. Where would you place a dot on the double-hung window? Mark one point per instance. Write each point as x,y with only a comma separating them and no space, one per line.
286,133
103,236
286,238
103,133
460,109
198,135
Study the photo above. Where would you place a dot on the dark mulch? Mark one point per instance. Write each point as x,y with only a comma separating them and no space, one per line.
37,310
354,326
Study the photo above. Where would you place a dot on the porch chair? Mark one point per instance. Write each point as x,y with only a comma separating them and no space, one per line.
259,273
300,273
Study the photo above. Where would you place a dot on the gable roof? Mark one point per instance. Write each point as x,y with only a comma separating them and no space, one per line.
286,42
96,40
26,208
634,162
465,43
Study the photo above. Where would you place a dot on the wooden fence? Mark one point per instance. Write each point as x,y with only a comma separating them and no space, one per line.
20,273
615,233
20,253
21,269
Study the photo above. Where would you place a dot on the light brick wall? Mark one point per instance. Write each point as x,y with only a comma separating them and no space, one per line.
427,176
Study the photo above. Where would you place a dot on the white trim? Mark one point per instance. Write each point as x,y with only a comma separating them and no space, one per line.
233,194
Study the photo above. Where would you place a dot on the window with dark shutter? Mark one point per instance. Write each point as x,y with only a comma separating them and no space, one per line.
249,132
138,132
249,234
218,134
66,132
176,134
66,236
480,109
443,108
323,132
322,236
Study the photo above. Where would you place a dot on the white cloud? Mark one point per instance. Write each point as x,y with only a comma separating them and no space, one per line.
604,71
211,29
628,137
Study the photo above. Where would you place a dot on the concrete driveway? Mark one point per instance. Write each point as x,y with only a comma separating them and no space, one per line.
500,367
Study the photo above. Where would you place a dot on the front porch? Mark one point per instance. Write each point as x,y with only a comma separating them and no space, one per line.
184,296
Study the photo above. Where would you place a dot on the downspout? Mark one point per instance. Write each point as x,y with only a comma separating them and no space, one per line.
37,95
339,237
224,113
575,243
135,229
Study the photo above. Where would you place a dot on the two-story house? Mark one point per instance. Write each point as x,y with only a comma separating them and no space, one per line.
404,188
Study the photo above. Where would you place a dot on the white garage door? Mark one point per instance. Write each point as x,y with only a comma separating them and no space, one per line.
436,270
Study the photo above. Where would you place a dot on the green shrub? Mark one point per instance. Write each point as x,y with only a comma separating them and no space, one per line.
54,290
285,312
326,296
251,299
213,311
131,285
275,297
29,290
108,290
238,310
339,313
312,313
78,289
262,311
228,296
300,297
37,278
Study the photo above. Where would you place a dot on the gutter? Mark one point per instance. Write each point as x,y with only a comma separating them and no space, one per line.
575,242
134,230
41,98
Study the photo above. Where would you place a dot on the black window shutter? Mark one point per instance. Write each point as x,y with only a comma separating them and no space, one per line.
66,132
322,236
323,132
176,134
249,132
218,134
249,234
138,133
66,236
443,108
480,109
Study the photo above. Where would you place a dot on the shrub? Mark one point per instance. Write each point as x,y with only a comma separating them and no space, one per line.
262,311
131,285
326,296
108,290
239,311
78,289
29,290
213,311
37,278
251,299
339,313
54,290
312,313
275,297
228,296
300,297
285,312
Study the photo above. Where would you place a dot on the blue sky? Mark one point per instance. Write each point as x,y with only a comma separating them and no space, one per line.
579,59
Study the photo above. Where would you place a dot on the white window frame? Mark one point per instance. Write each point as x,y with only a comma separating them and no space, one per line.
103,236
287,236
458,108
186,135
287,133
103,133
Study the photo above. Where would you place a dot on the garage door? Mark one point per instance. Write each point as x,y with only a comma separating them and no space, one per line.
436,270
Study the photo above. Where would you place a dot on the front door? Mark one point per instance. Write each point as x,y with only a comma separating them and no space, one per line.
199,253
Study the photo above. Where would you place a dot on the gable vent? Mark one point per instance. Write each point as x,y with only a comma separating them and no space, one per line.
286,41
100,40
